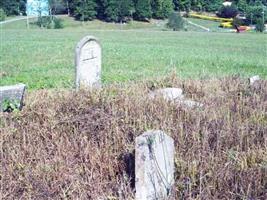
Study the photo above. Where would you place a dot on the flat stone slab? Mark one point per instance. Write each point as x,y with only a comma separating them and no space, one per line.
174,95
191,104
154,165
169,94
12,95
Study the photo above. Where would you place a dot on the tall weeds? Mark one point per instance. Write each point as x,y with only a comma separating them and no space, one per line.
80,145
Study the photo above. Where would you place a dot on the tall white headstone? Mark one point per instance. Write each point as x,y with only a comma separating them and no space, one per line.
88,63
154,166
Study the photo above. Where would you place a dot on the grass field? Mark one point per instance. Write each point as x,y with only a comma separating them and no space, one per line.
45,58
212,25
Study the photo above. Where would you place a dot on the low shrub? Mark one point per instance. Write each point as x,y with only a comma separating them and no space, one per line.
44,21
58,23
176,21
50,22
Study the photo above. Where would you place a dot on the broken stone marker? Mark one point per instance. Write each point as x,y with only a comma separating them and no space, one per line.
11,97
174,95
88,63
154,166
254,79
169,94
191,104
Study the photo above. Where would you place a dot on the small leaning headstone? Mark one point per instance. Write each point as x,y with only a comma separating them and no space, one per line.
154,166
88,63
11,97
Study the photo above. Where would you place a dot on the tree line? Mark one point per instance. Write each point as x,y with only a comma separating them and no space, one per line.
122,10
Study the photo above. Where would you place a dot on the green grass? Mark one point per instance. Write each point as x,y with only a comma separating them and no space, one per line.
212,25
45,58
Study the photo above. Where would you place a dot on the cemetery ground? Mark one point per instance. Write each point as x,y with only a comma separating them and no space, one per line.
68,144
80,145
44,58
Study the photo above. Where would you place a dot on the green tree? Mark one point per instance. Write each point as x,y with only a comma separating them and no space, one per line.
58,6
212,5
85,10
11,7
143,10
101,9
22,6
254,13
69,4
112,11
197,5
168,8
182,5
161,8
157,10
228,11
125,9
242,5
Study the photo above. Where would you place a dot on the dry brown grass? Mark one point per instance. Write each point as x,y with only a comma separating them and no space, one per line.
68,145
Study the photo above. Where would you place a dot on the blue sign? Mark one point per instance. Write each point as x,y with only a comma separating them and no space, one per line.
37,8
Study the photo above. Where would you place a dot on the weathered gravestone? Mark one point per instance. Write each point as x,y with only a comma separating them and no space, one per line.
88,63
11,97
154,166
254,79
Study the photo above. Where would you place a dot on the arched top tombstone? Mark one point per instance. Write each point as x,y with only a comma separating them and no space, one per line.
88,63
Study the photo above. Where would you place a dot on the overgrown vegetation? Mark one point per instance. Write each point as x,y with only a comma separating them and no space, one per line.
80,145
10,105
